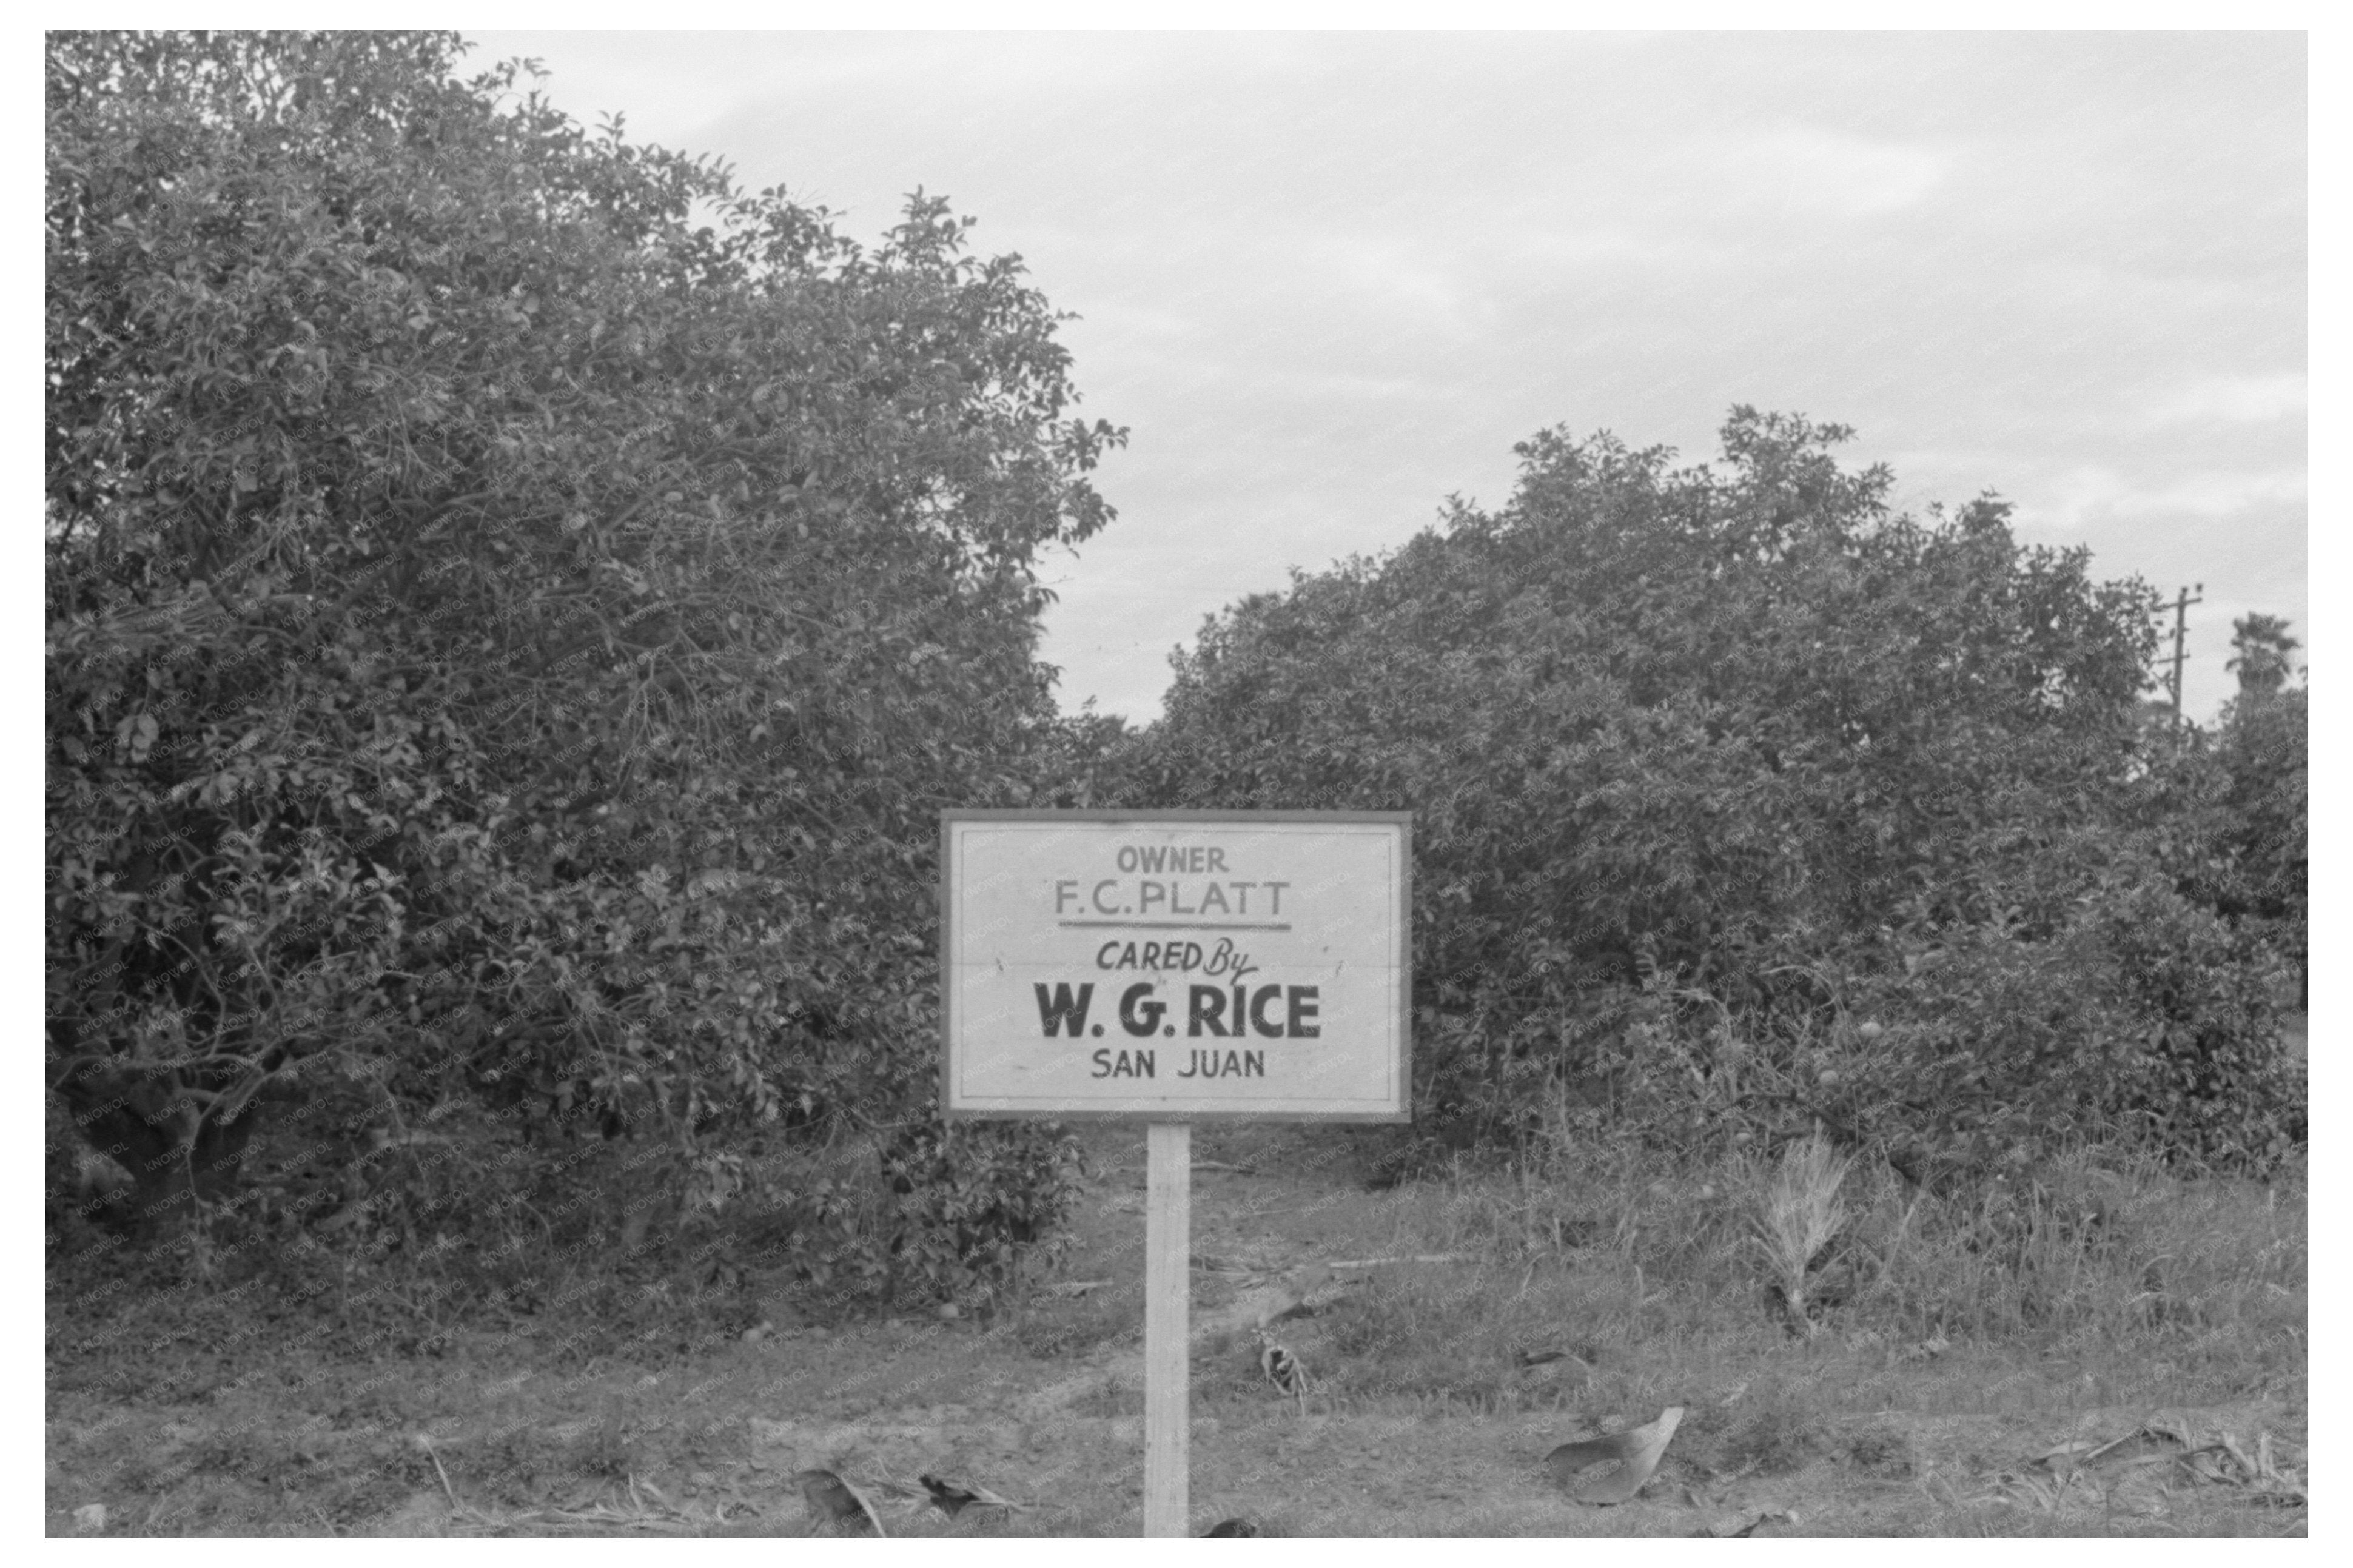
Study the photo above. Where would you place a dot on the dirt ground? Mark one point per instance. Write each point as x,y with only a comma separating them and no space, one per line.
1421,1419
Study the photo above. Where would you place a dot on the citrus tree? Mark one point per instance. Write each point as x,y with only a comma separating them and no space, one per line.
516,603
1711,766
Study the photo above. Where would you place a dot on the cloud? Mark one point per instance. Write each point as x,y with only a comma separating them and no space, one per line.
2226,399
1343,386
1138,320
1598,244
2090,492
1844,174
1389,274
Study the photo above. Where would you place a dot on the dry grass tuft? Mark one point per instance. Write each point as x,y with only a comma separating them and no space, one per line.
1798,1214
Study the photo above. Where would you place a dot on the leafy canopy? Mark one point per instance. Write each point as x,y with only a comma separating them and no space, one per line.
1676,712
516,603
1736,739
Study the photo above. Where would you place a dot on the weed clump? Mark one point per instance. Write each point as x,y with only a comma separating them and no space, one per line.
1878,1450
1798,1214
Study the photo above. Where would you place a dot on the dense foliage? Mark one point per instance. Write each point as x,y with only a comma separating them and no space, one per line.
2263,748
1742,801
2234,800
516,604
2265,811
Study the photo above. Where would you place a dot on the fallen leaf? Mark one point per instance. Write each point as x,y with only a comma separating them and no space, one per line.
1548,1355
1631,1456
952,1498
1290,1295
832,1500
1769,1517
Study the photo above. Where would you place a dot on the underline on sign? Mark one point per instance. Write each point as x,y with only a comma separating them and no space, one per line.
1183,926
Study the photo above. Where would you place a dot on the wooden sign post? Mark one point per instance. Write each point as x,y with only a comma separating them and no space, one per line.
1171,967
1167,1312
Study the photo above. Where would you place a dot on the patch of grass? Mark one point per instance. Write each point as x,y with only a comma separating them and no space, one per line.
1773,1431
1053,1328
1110,1399
1878,1448
1450,1333
612,1446
2082,1254
1986,1523
1958,1336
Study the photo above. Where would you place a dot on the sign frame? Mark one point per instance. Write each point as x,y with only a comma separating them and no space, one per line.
1401,1061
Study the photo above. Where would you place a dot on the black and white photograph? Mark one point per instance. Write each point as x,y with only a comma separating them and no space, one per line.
1224,775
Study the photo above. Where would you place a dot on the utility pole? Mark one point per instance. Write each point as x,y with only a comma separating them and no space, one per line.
2180,623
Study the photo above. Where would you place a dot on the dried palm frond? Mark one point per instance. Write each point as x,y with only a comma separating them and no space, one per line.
834,1501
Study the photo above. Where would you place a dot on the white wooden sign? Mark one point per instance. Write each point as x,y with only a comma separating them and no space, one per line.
1171,967
1177,966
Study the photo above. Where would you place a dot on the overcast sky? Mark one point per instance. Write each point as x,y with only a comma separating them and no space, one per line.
1328,280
